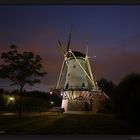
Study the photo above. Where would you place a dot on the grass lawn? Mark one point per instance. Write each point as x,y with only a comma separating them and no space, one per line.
53,123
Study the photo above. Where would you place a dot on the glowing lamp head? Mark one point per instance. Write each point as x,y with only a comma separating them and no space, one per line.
52,102
11,98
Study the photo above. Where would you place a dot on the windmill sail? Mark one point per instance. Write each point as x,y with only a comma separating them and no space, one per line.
68,46
60,46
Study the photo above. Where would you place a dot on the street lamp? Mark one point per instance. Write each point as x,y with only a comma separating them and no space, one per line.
52,102
11,99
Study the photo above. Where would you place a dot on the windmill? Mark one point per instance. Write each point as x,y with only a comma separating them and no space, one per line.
76,81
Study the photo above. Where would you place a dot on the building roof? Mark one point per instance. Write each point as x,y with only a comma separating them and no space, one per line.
76,53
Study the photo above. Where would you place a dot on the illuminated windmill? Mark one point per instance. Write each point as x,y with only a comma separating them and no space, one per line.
76,81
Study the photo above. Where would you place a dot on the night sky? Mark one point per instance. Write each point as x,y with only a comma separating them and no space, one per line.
112,32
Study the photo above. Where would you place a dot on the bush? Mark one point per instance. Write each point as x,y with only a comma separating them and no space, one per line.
126,98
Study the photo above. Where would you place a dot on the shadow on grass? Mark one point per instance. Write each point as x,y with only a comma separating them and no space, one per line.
73,124
27,125
99,124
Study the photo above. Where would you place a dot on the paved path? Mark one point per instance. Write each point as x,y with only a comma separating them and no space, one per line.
78,112
25,113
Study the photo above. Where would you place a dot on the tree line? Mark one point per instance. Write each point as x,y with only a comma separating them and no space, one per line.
35,101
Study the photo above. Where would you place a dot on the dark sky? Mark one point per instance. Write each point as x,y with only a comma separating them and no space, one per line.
112,32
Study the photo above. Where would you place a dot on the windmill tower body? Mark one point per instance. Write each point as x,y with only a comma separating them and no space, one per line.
76,81
75,77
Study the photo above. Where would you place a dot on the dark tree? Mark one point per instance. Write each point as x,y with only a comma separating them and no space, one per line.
127,98
21,68
1,97
106,86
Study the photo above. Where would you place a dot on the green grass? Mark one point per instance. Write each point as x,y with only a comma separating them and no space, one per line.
53,123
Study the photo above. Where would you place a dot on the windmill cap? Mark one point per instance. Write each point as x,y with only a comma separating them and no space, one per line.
76,53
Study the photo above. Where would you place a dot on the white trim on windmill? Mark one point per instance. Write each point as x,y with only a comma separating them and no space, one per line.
60,76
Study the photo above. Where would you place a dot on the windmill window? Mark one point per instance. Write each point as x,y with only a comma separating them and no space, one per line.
74,66
83,85
67,86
